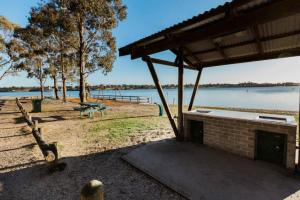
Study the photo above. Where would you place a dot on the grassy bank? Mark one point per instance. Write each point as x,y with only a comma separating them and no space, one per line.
118,130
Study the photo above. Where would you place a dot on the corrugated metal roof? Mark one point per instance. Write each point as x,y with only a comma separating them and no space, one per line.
271,36
284,25
202,19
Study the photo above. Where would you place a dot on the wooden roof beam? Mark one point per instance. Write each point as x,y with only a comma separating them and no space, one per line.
241,21
264,39
164,62
187,61
255,32
220,50
199,61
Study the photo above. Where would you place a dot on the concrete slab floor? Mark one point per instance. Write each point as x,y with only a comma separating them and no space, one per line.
199,172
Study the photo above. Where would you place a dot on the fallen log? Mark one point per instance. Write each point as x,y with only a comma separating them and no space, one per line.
49,151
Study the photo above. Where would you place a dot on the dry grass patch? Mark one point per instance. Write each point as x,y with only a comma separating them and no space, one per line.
118,130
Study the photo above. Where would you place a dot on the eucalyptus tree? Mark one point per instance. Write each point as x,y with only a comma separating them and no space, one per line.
36,69
6,35
11,51
57,28
35,61
95,46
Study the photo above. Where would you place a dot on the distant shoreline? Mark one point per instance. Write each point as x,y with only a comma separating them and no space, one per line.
169,86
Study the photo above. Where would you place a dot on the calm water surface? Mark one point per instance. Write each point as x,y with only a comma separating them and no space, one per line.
279,98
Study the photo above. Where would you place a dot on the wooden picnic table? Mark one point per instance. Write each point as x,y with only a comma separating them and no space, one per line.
91,108
93,105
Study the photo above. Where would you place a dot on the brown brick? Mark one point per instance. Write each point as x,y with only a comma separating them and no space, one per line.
238,136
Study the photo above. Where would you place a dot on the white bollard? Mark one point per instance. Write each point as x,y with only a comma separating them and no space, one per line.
92,191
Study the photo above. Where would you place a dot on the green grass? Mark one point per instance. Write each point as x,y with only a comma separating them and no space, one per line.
116,130
60,146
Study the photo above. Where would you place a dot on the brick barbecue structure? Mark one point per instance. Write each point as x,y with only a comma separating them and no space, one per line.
237,132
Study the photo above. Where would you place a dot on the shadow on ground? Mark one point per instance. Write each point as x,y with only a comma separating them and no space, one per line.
53,118
19,120
9,113
27,146
121,180
2,103
17,135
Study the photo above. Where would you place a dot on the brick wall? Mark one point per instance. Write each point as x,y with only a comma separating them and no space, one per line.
238,135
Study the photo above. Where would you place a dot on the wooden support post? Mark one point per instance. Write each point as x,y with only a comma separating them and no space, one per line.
195,90
161,94
92,191
180,94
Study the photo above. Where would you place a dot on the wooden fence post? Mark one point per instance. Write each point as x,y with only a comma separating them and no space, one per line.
92,191
40,129
29,118
35,124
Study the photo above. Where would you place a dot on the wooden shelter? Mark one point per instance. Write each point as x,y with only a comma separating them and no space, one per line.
236,32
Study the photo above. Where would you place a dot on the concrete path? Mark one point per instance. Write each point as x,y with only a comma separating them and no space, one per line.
199,172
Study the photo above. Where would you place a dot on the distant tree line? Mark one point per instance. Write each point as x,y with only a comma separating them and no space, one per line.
168,86
246,84
64,39
210,85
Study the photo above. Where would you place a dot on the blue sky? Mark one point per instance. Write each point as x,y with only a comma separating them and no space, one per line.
149,16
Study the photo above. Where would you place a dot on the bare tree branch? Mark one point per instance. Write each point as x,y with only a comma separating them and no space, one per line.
7,71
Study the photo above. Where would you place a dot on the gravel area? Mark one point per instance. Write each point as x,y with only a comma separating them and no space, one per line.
24,175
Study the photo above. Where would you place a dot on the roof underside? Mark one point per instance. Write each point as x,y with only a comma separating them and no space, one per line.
240,31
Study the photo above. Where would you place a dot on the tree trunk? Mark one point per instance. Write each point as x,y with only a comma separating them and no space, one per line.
63,76
42,91
41,82
82,92
55,87
64,88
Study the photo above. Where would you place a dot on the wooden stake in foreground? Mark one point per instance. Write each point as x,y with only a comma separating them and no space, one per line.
92,191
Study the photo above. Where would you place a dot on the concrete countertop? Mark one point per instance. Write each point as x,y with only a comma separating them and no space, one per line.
250,116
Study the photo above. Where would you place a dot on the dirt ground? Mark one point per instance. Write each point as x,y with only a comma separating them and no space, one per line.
92,149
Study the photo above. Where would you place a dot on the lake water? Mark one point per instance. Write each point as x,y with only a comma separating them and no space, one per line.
279,98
